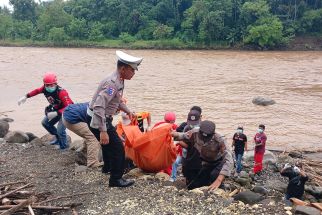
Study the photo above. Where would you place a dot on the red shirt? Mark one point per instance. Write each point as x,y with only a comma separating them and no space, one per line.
260,138
58,99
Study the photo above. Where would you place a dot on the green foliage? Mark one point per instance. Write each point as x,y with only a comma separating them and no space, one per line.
78,29
5,26
126,38
311,21
163,32
22,29
24,9
186,23
57,35
53,16
96,33
267,32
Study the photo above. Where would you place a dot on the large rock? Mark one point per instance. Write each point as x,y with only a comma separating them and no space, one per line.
162,176
31,136
260,189
314,191
7,119
4,128
269,157
16,137
276,185
248,197
263,101
306,210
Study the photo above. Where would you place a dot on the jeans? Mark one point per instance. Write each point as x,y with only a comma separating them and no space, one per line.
175,167
59,132
239,164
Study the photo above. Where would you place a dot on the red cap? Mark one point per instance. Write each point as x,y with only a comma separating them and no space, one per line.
50,78
170,116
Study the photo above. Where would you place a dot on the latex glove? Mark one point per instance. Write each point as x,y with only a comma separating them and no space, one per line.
22,100
296,170
51,115
287,165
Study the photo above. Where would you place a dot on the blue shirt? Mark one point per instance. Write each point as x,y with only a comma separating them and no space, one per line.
76,113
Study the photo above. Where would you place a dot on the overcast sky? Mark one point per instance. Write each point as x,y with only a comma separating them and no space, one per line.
4,3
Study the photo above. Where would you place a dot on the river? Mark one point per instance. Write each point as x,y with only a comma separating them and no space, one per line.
223,83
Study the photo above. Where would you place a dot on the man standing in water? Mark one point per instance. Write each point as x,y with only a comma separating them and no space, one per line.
105,103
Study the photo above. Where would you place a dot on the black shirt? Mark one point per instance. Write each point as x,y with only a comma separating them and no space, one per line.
295,187
240,140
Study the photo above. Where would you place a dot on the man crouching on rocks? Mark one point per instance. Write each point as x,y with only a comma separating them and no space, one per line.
215,159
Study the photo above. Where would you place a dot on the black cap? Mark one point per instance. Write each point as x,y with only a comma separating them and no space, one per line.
193,117
207,127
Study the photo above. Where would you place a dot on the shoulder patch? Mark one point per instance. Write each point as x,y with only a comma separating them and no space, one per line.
110,91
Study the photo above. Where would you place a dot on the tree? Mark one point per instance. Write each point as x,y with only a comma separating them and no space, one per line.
78,29
163,32
267,32
5,26
22,29
53,16
24,10
57,35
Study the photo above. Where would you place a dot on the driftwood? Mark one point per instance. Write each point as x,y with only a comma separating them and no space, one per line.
25,201
11,183
14,191
20,206
63,197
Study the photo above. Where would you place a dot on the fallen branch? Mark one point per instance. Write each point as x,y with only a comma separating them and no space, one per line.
20,206
63,197
11,183
233,193
30,210
43,207
14,191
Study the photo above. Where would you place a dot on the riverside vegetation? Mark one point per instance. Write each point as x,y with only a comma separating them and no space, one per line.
260,24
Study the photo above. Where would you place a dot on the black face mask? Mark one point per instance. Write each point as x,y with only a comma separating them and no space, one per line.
205,137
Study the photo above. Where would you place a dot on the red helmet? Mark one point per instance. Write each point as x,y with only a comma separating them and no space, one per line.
50,78
170,116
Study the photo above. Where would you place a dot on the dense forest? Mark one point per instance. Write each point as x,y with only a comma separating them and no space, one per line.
258,23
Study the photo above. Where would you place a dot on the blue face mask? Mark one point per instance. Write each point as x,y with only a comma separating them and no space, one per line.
50,89
260,130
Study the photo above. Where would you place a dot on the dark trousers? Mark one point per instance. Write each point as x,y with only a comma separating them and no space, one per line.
113,152
204,176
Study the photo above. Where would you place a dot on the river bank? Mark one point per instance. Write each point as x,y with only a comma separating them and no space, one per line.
304,43
55,178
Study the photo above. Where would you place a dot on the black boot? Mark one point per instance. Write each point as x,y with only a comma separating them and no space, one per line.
120,183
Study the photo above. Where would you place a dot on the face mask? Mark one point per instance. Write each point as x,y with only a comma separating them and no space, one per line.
260,130
239,131
50,89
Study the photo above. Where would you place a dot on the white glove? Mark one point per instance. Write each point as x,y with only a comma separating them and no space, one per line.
22,100
287,165
296,170
51,115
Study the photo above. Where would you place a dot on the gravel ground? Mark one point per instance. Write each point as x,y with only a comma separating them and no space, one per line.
50,170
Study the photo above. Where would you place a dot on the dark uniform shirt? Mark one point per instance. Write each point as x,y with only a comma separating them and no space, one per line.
240,140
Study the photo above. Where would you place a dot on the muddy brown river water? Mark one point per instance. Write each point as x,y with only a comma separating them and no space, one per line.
223,83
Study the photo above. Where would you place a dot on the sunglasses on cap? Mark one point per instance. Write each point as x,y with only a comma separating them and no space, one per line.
205,135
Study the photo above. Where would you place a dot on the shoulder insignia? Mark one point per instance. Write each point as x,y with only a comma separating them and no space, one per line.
110,91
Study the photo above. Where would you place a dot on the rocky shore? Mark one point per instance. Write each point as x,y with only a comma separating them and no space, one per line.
25,157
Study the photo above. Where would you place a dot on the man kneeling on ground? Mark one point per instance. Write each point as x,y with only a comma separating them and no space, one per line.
215,158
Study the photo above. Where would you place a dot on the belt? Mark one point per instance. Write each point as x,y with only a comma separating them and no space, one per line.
90,113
